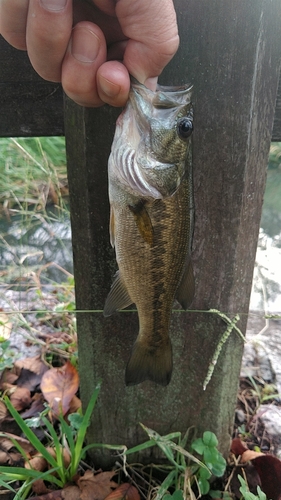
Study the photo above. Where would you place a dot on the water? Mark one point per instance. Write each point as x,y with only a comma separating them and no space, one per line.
266,290
35,246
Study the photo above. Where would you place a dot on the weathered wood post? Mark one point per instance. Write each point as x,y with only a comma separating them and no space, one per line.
230,50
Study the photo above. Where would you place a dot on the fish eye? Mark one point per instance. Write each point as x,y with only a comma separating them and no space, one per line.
185,127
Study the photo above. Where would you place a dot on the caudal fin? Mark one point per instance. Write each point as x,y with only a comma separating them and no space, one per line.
147,364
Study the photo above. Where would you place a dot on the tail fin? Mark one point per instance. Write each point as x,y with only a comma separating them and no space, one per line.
147,364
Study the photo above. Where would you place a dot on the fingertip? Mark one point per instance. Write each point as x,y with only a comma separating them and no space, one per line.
113,83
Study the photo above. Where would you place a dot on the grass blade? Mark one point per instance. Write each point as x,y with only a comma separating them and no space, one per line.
36,443
85,423
58,449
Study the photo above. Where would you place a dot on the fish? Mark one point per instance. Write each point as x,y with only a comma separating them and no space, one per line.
151,221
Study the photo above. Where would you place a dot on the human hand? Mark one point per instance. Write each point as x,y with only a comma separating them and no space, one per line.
92,46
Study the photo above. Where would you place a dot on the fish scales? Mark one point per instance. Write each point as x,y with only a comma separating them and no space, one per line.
151,224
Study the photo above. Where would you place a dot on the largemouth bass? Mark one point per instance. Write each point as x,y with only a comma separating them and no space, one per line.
151,221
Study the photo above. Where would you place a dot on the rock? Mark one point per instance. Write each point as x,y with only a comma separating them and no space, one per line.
270,417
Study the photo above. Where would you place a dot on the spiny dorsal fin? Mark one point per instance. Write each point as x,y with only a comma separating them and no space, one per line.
143,221
118,297
186,288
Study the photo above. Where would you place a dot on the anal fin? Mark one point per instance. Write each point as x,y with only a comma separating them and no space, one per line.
118,297
186,288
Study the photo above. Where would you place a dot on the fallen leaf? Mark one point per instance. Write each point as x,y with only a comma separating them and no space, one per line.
59,385
8,453
29,379
39,487
37,462
250,455
71,493
37,406
238,447
269,470
7,377
125,491
5,326
268,467
20,398
34,364
65,453
3,411
96,486
75,404
53,495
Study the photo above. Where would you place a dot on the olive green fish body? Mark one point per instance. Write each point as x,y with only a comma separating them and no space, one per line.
151,230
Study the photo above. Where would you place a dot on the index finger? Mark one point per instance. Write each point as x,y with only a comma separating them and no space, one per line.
13,16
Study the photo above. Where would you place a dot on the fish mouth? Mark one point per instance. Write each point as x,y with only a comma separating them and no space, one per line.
150,104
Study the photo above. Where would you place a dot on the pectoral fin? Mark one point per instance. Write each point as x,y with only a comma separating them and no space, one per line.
118,297
186,288
143,221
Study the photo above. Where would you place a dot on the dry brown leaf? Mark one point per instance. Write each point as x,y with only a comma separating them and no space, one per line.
96,486
37,406
34,364
20,398
125,491
25,443
7,377
269,470
66,456
75,404
39,487
71,493
250,455
10,458
5,326
8,452
53,495
3,411
37,462
59,385
238,447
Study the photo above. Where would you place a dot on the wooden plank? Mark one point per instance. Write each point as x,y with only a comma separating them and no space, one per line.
29,106
231,52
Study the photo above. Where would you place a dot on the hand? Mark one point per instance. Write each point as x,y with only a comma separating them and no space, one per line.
92,46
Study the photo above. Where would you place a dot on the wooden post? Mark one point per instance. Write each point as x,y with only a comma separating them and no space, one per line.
230,50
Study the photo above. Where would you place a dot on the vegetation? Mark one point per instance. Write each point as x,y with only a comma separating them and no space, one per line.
247,495
58,462
32,175
32,171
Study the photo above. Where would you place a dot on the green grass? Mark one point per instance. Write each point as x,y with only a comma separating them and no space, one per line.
32,171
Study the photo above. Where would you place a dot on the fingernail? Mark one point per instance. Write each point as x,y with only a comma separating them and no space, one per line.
54,5
85,45
109,88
